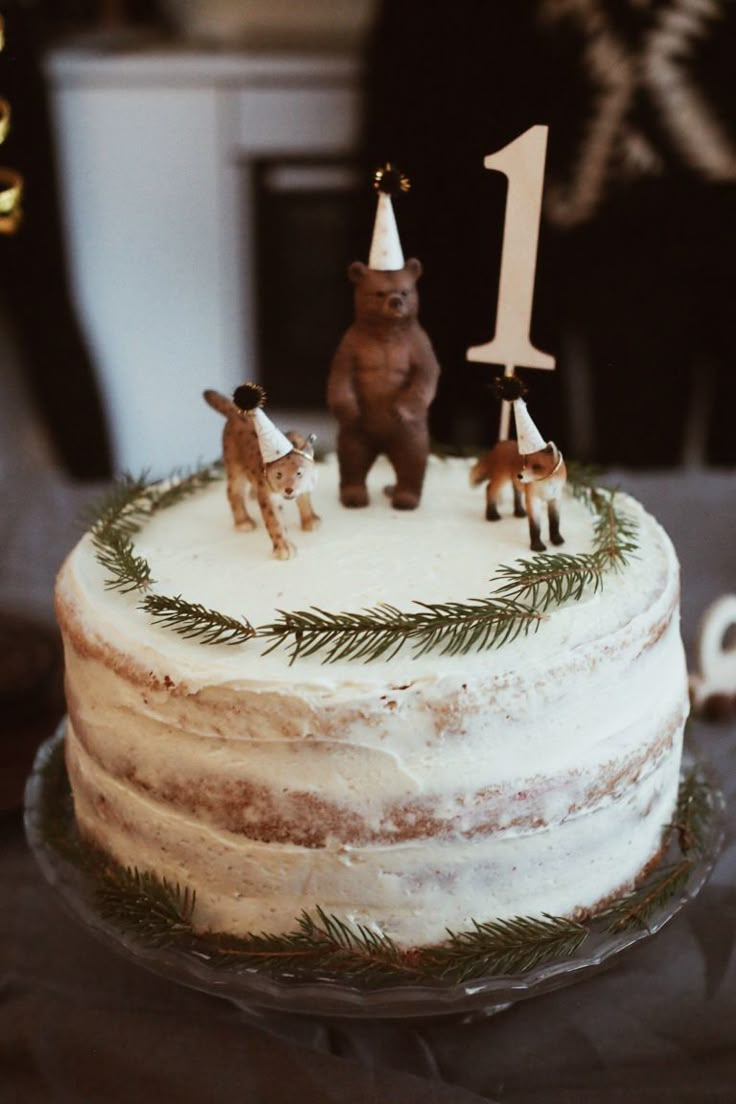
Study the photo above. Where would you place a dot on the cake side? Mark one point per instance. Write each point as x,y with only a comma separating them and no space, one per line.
412,891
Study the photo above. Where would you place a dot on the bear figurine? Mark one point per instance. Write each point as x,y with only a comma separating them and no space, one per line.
382,380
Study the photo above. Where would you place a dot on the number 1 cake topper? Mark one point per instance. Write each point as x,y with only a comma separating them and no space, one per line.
522,162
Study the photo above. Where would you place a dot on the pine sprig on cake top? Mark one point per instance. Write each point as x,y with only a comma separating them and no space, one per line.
158,913
522,594
527,589
456,628
182,486
124,508
127,571
551,579
194,621
614,534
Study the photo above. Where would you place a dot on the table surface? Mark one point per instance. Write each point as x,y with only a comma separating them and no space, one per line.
79,1023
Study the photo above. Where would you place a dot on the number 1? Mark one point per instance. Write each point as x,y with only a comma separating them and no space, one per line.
522,162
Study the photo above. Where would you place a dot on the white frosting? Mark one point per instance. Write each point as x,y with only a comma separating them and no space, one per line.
503,766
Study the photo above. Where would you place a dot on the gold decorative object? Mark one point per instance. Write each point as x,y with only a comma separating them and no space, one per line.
11,182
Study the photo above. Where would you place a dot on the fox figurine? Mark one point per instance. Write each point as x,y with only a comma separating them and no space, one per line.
537,476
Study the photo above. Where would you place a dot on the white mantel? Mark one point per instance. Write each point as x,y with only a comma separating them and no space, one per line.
153,147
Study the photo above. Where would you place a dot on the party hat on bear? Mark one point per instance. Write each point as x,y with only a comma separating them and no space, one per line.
386,254
272,443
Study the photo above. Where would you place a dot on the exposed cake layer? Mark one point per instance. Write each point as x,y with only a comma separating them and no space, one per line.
350,779
413,890
487,771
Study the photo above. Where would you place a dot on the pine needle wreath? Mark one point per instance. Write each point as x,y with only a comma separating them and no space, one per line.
115,521
520,597
522,594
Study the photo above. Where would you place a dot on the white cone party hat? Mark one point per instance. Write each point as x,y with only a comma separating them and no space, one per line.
528,437
386,254
271,441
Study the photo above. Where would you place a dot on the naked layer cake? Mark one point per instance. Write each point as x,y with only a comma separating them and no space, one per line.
411,794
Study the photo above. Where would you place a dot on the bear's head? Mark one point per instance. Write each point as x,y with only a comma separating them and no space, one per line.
385,297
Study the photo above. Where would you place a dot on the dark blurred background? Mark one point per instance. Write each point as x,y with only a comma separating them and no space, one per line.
634,285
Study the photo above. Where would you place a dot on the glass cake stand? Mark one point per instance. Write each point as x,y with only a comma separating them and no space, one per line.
254,990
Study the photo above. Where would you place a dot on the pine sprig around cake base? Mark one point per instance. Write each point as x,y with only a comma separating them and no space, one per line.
195,621
320,944
511,946
636,909
455,628
692,816
159,913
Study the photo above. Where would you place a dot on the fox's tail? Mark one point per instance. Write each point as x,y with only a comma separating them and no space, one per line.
479,471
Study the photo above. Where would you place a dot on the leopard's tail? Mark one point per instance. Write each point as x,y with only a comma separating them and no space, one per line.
220,403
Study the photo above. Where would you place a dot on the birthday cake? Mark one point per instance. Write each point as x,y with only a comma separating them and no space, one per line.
415,725
414,793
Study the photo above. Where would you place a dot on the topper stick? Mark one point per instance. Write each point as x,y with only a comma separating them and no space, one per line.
522,162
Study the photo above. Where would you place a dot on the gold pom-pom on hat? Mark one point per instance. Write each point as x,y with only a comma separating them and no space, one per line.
249,399
390,180
249,396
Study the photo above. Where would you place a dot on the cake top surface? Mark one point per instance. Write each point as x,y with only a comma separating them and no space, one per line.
444,551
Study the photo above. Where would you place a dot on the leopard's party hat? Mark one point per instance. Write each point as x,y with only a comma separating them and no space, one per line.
272,443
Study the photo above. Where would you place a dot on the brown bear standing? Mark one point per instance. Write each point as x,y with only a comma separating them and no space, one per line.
384,374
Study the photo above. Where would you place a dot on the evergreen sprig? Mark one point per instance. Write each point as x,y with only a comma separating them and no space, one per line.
115,552
511,946
523,593
454,627
692,813
636,909
320,944
614,534
159,911
195,621
690,825
550,579
124,507
183,485
583,482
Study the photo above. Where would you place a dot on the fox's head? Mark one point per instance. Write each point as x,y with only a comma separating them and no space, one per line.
541,464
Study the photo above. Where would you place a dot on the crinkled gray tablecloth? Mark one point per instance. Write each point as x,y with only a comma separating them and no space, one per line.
79,1024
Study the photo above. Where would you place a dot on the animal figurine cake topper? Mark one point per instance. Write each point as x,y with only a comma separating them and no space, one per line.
255,451
534,468
384,373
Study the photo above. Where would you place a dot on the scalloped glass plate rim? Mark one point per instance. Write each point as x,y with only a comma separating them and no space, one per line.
327,996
